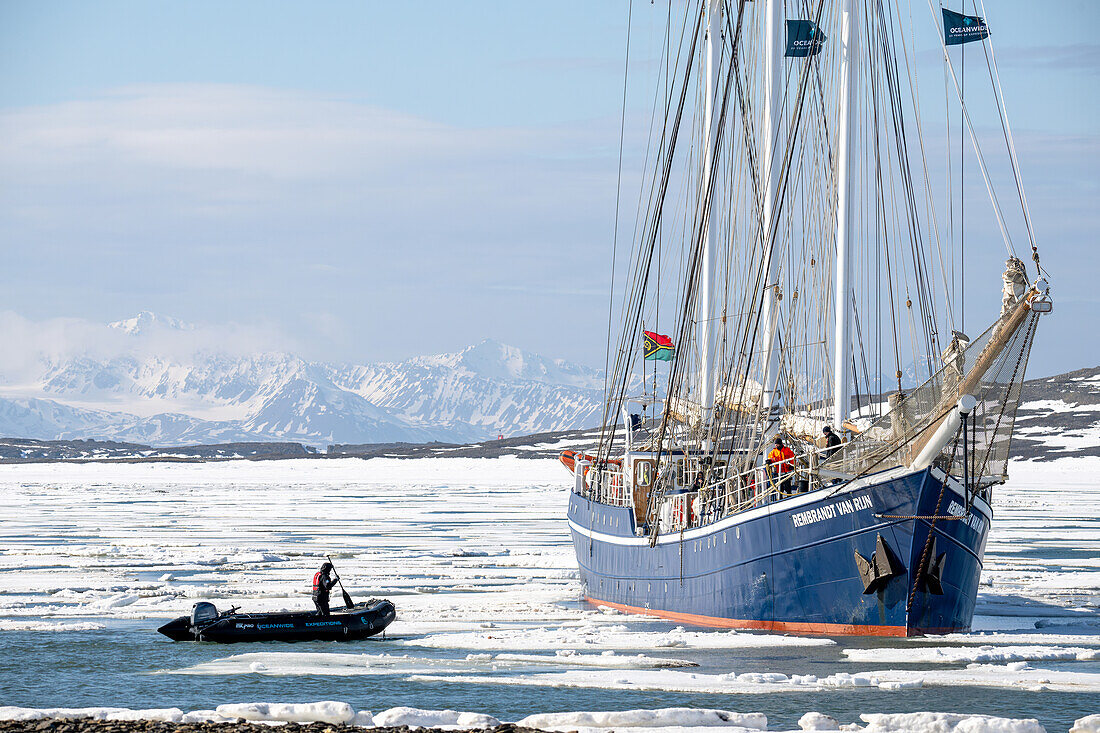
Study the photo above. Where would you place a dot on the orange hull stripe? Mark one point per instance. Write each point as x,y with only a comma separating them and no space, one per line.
792,627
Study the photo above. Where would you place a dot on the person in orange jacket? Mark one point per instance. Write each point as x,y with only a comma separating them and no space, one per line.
781,465
322,584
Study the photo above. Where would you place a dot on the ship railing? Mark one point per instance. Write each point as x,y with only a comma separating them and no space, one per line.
748,489
607,486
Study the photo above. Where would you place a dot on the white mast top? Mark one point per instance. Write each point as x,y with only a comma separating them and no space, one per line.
845,209
706,329
770,159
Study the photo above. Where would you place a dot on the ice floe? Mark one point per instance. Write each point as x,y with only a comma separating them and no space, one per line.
417,718
1087,724
173,715
607,660
325,712
690,682
818,721
610,636
947,723
336,664
1017,674
322,664
1020,638
957,654
662,718
9,625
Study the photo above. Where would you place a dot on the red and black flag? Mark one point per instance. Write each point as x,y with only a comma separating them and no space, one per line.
657,347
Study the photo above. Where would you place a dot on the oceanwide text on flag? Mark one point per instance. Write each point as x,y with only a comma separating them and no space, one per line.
657,347
959,28
804,38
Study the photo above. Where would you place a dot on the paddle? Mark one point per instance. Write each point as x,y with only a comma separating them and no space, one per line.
347,598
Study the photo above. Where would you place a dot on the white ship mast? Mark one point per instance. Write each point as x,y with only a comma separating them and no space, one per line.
706,328
845,208
770,159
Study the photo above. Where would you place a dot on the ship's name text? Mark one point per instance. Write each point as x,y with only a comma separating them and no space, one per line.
829,511
972,519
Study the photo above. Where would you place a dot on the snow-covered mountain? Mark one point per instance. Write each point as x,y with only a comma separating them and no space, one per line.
160,398
482,391
147,322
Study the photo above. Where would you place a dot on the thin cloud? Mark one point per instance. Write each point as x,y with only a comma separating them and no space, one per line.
1078,57
34,343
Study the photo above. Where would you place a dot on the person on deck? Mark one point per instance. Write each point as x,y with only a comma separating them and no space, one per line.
699,501
781,465
832,443
322,584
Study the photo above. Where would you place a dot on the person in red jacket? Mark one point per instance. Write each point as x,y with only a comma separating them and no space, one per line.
322,584
781,465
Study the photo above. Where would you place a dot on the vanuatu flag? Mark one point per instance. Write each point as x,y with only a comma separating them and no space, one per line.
658,347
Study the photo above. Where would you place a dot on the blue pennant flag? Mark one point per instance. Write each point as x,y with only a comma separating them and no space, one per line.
959,28
804,38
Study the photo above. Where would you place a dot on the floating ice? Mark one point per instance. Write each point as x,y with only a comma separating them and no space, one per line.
947,723
417,718
1046,623
662,718
818,721
1020,638
173,715
610,636
117,601
336,664
607,660
323,664
955,655
673,681
1088,724
981,675
8,625
327,712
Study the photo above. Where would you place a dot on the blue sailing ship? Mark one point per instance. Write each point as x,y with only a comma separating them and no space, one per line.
816,290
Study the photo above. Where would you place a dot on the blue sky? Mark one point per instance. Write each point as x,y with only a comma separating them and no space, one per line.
379,180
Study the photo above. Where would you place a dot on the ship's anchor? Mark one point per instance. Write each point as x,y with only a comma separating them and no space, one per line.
876,572
931,578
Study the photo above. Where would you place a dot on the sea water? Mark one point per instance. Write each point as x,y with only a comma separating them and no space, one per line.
475,553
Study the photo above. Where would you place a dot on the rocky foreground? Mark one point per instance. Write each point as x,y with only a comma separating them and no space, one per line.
89,725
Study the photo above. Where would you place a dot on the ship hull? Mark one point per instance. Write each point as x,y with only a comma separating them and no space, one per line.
791,566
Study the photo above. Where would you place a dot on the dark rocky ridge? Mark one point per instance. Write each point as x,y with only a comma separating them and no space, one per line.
1036,425
29,450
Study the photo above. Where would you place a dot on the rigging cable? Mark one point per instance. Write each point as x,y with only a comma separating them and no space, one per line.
995,78
974,142
615,234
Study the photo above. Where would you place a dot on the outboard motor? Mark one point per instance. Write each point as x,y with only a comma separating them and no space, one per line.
203,613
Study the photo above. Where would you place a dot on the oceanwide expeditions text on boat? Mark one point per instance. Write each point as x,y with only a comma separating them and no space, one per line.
793,268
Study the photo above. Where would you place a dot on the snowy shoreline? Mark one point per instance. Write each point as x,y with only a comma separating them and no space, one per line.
329,717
